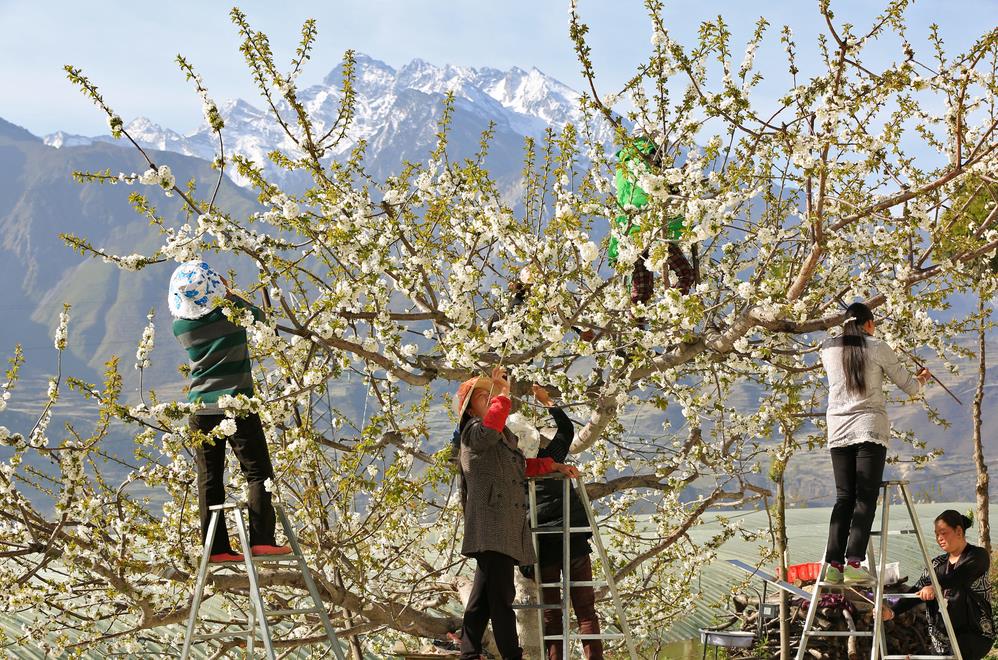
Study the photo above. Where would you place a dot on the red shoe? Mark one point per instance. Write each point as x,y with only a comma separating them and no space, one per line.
226,558
270,550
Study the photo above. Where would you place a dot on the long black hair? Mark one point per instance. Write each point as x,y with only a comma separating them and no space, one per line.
954,519
854,348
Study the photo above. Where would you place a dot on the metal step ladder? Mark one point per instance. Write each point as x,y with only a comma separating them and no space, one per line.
878,647
258,617
567,636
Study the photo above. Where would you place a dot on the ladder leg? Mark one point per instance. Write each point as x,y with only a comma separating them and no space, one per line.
566,562
199,587
871,560
930,569
625,625
812,608
334,642
878,643
251,636
254,588
532,498
871,557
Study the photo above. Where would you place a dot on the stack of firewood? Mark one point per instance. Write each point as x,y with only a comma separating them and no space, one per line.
907,633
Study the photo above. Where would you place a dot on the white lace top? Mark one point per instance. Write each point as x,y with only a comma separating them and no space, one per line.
851,418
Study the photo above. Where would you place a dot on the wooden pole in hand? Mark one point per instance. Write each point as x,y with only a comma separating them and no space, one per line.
919,364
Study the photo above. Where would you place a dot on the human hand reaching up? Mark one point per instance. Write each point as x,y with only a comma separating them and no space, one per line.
541,395
500,382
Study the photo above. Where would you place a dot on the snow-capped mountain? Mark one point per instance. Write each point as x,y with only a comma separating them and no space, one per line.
396,113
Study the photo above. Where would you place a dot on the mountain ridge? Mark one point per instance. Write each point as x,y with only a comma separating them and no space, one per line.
519,103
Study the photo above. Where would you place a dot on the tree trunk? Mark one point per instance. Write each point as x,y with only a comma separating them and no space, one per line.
780,522
781,546
983,481
526,620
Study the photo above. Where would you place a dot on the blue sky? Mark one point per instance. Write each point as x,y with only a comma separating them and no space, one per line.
127,48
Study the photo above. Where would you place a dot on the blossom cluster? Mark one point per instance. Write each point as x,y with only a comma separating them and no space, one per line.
161,176
209,110
62,331
146,343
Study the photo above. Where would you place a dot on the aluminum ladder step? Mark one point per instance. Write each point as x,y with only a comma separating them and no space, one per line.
535,606
581,637
274,559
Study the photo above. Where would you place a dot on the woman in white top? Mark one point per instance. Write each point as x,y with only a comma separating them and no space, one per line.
855,363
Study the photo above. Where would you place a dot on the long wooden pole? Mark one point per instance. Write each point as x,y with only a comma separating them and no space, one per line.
919,364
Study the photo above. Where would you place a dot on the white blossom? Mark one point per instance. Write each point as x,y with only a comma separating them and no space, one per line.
749,58
353,401
290,209
146,343
62,331
588,251
159,176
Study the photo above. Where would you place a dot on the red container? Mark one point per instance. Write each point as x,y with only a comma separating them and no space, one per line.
800,573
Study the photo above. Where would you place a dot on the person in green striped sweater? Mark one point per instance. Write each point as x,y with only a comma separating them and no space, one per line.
220,365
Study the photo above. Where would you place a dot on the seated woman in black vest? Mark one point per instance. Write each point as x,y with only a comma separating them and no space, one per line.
962,573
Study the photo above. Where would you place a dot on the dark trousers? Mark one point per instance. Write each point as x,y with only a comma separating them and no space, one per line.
583,603
973,646
643,280
858,470
250,447
491,598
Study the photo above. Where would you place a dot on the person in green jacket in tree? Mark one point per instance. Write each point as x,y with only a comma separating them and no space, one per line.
632,200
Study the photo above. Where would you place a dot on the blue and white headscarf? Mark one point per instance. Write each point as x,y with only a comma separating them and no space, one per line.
195,290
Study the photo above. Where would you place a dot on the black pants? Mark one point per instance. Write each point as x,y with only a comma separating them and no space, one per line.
250,446
858,471
973,646
491,598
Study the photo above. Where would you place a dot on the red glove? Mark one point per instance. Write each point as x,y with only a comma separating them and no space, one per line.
498,411
538,466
